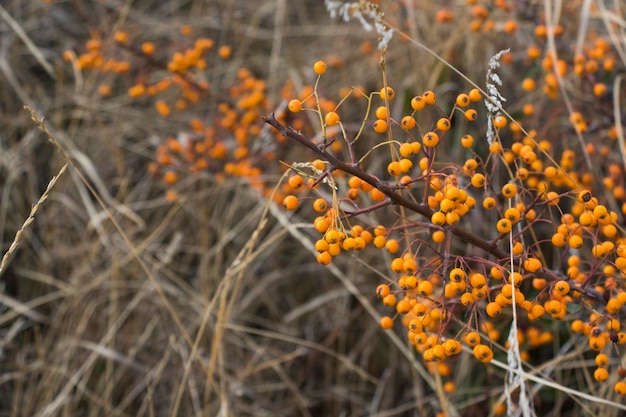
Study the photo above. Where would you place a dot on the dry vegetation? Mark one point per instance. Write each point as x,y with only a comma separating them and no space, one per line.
148,270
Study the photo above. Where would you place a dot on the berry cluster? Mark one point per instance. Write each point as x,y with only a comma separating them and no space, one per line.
549,241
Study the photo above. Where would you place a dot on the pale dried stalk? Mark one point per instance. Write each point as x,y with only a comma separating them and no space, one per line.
29,220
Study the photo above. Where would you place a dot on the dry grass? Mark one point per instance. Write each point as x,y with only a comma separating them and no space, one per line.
115,302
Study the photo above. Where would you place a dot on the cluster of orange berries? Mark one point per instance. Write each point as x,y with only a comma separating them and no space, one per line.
420,296
222,145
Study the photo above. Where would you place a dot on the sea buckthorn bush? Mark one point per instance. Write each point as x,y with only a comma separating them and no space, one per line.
332,208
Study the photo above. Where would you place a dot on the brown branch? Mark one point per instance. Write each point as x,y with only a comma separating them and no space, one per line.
390,190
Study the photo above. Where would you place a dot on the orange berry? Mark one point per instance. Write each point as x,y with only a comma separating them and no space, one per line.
331,118
148,48
430,139
528,84
380,126
601,374
386,322
383,290
319,67
493,309
225,52
294,105
463,100
320,205
387,93
475,95
429,97
471,115
472,339
418,103
408,122
443,124
504,225
290,202
509,190
467,141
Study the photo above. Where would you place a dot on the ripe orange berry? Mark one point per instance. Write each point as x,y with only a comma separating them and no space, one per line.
389,300
392,246
443,124
418,103
463,100
324,258
601,374
489,203
575,241
438,218
406,150
380,126
225,52
320,205
471,115
493,309
532,264
509,190
528,84
601,360
430,139
599,89
408,122
620,387
294,105
405,165
483,353
467,299
394,169
512,214
290,202
331,118
425,288
562,287
499,121
148,48
472,339
386,322
475,95
295,181
504,225
438,236
467,141
387,93
381,112
429,97
383,290
319,67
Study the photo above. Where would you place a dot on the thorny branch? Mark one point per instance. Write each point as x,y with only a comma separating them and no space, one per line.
391,191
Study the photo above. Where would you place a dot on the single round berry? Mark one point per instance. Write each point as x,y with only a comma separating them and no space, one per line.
467,141
386,322
430,139
320,205
387,93
418,103
331,118
319,67
290,202
294,105
380,126
504,225
444,124
471,115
